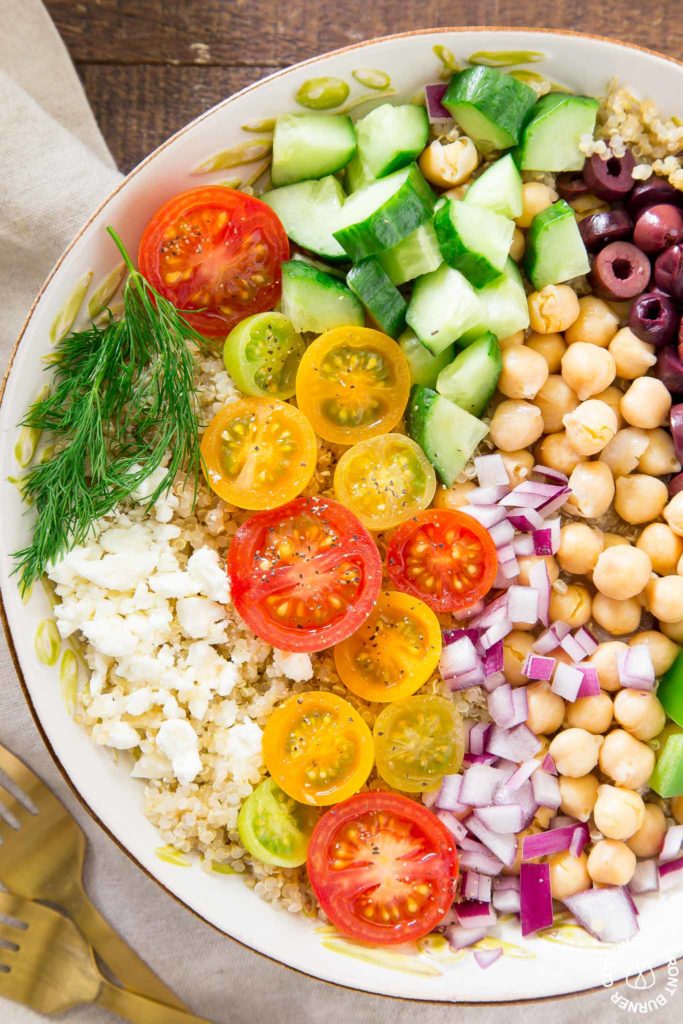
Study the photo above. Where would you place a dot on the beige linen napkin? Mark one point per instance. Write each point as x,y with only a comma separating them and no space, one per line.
54,168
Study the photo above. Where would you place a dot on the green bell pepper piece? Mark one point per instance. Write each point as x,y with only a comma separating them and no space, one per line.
670,691
667,778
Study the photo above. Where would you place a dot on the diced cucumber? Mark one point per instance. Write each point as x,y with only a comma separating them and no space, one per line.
415,255
490,106
384,212
471,378
550,140
503,305
473,240
424,367
357,175
311,261
554,248
443,306
499,188
310,145
383,301
309,212
447,434
391,137
316,302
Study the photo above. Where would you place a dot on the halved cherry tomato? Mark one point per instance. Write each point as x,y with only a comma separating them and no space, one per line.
304,576
317,748
394,652
353,383
262,354
417,741
216,250
259,453
383,868
384,480
444,557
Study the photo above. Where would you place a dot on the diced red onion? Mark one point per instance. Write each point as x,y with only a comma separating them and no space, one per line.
504,847
493,612
509,571
504,819
584,637
673,840
523,545
535,898
521,796
523,605
479,783
530,494
540,581
505,899
518,744
503,534
448,797
469,613
546,790
493,658
553,475
635,668
525,519
495,679
470,759
572,647
567,681
556,503
475,914
460,938
481,860
500,706
548,765
536,666
477,887
590,684
495,633
670,873
479,734
555,840
455,827
645,878
434,93
460,665
491,471
465,681
506,553
555,527
487,515
523,773
607,913
550,638
520,705
542,542
487,495
486,957
451,635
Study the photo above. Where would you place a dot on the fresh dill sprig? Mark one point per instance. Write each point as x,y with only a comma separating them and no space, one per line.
123,397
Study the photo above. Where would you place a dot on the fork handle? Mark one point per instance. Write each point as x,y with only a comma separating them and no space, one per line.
129,968
140,1010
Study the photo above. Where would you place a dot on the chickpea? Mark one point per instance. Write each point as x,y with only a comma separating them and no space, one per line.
624,451
516,646
610,862
622,572
579,548
626,760
617,617
518,245
649,839
646,404
578,796
550,346
640,713
543,816
535,197
659,458
612,396
663,547
526,562
613,540
553,309
571,604
453,497
515,425
556,452
605,663
665,598
594,714
524,372
513,339
592,487
595,324
568,874
632,356
518,465
677,809
575,752
674,630
618,813
546,709
673,513
640,498
662,650
555,399
588,369
450,164
590,426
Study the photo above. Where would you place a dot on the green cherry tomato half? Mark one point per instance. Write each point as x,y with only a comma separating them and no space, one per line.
274,828
262,354
418,740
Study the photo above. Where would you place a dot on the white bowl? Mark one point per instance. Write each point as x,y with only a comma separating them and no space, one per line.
565,960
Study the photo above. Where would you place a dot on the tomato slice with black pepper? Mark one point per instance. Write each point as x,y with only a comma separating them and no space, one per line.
383,868
216,250
304,576
444,557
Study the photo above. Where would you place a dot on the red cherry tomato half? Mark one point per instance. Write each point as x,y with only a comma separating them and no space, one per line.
216,250
383,868
445,558
305,575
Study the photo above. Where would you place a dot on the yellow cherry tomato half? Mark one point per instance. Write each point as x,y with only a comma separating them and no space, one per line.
385,480
317,748
417,741
394,652
259,453
353,383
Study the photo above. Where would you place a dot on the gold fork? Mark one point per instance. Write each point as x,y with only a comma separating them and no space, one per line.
42,859
45,963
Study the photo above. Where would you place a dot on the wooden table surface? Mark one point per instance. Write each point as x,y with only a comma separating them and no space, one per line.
149,66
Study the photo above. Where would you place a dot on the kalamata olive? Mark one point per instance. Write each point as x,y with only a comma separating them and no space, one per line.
669,271
621,271
675,484
599,229
653,318
650,193
657,227
669,369
676,427
571,185
610,179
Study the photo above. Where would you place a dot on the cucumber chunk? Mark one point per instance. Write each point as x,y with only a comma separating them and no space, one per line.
310,145
391,137
443,306
471,378
424,367
415,255
383,301
499,188
555,251
309,212
550,140
473,240
357,175
316,302
504,307
383,213
490,106
447,434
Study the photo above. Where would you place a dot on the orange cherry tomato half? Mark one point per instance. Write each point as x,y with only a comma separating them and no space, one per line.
304,576
216,250
383,868
444,557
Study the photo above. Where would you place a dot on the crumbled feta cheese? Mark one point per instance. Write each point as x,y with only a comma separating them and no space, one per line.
297,667
178,741
111,636
119,572
151,766
105,705
243,748
116,734
197,616
140,701
212,580
174,584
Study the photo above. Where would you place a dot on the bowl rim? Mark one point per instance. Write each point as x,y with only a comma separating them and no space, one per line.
517,29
